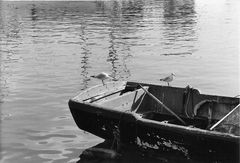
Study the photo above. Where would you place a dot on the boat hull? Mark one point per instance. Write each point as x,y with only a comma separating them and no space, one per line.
123,113
132,129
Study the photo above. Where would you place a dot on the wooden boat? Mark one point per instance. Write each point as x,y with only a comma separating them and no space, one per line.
161,118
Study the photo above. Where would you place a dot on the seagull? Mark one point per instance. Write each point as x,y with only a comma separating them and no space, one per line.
168,79
102,76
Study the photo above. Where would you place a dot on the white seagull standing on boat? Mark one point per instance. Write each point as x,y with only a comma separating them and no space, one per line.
168,79
102,76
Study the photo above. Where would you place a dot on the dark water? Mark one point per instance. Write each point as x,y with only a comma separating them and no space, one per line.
49,50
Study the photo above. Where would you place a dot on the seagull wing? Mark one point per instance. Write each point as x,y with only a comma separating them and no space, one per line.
167,79
101,76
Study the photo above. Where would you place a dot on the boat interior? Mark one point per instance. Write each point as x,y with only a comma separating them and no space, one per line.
165,104
188,104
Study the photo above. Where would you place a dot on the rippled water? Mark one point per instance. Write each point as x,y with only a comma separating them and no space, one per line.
50,49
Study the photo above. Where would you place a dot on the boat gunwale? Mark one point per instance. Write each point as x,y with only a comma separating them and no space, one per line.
131,83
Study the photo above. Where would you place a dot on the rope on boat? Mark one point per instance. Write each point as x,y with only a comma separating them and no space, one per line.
186,102
164,106
116,134
115,139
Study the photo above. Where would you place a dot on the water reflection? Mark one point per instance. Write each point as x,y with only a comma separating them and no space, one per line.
86,53
179,9
10,25
179,25
103,152
123,21
112,54
34,12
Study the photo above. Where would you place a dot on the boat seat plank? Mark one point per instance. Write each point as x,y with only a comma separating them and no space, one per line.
129,100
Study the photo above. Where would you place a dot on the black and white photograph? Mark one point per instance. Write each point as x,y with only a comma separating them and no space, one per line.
119,81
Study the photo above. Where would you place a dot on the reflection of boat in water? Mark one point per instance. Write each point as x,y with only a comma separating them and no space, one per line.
127,154
180,120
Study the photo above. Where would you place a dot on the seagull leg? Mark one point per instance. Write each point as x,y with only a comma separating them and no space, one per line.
168,84
103,82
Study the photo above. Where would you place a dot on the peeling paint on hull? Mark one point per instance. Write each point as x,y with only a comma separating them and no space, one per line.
165,144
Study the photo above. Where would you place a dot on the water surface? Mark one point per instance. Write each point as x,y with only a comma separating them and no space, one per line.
49,50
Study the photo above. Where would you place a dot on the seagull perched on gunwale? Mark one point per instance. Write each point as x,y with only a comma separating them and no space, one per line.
102,76
168,79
